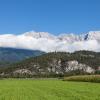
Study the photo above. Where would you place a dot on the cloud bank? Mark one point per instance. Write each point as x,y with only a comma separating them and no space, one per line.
49,43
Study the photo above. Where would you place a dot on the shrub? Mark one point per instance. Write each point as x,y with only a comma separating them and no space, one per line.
84,78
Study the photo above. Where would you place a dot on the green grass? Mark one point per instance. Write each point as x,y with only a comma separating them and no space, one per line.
13,89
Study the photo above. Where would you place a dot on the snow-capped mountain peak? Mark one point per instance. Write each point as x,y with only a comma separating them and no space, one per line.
38,35
93,35
47,42
70,37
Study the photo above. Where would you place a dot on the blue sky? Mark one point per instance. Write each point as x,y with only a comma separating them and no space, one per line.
54,16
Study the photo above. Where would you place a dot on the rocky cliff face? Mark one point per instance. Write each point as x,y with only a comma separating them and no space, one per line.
56,67
74,65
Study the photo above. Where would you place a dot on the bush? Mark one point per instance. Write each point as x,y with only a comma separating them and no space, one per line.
84,78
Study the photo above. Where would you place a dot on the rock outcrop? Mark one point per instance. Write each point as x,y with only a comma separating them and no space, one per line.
56,67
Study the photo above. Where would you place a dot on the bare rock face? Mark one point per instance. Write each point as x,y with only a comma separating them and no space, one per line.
60,67
55,67
22,71
74,65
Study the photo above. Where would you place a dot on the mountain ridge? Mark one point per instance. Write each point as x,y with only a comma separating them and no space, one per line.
55,64
12,55
47,42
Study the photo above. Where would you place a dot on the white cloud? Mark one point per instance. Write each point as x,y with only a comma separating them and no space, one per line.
44,43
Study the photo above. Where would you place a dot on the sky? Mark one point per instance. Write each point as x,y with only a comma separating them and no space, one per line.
53,16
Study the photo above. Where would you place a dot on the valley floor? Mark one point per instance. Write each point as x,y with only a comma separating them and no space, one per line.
14,89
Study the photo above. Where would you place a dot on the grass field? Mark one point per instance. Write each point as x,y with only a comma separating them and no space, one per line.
13,89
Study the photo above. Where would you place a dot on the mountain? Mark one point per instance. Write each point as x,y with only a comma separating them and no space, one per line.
93,35
12,55
44,41
62,37
38,35
70,37
55,64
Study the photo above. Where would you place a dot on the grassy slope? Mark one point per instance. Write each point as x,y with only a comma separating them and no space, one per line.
48,90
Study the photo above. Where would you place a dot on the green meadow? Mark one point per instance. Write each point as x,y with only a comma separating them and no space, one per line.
48,89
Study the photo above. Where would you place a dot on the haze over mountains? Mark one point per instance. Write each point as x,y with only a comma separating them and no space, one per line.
12,55
47,42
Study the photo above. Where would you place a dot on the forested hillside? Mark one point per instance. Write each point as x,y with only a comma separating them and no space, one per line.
55,63
12,55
